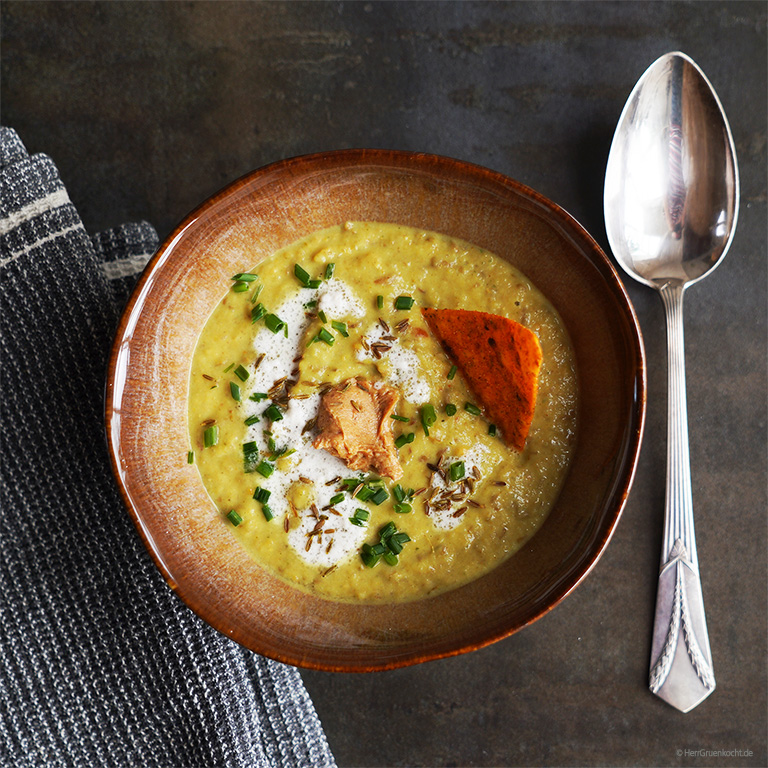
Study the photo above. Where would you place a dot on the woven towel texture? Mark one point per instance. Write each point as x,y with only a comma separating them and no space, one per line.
100,664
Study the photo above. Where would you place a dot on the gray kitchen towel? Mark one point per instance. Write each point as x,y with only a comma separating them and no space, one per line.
100,663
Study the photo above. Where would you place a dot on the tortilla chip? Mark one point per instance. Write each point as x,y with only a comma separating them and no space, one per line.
499,359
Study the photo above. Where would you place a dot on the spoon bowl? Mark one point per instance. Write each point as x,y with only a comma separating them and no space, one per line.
672,185
671,204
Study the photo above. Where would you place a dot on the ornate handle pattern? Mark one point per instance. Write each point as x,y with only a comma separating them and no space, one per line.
681,662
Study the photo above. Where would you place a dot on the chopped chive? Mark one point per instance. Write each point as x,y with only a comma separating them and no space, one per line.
240,286
390,558
329,270
251,420
365,493
258,312
350,483
452,372
274,323
265,469
402,508
450,409
322,316
378,549
266,510
340,327
301,274
211,436
369,559
399,418
311,304
362,514
242,373
234,390
404,302
257,397
262,494
379,497
387,530
456,471
250,456
234,518
492,429
314,283
380,302
404,440
473,409
428,417
256,293
357,521
326,336
273,413
394,546
398,492
190,457
339,497
229,368
245,277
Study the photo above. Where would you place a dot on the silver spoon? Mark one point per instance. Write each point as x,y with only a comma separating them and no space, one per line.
671,204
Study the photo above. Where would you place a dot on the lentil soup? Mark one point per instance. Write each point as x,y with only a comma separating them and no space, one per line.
342,307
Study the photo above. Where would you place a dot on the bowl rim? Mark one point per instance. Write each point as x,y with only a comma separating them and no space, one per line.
456,169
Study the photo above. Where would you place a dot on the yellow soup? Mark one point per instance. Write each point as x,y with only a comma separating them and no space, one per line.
277,341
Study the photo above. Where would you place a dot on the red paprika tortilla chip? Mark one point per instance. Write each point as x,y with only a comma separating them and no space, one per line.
500,361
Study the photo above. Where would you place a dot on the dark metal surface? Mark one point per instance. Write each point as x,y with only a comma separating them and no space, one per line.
147,108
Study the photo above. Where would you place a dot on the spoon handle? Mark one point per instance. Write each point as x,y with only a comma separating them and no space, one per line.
681,661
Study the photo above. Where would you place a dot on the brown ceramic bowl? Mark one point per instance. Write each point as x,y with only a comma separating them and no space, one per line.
274,206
